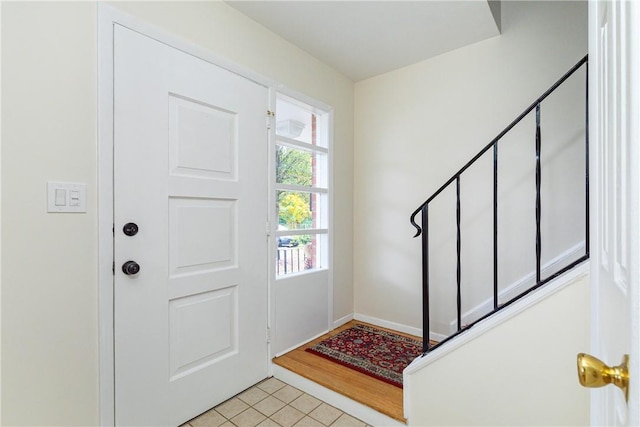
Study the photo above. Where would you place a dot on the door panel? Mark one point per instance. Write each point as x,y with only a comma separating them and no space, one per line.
190,167
614,231
190,123
202,330
301,310
202,235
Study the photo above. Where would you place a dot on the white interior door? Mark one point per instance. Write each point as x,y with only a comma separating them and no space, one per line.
615,186
190,169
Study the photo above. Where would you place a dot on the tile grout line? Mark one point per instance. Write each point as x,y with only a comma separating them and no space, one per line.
270,392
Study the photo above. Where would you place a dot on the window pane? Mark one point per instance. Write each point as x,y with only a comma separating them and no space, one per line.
300,167
299,123
301,210
297,254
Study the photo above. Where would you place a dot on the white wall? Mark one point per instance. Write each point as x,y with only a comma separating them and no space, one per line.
416,126
49,274
490,381
49,262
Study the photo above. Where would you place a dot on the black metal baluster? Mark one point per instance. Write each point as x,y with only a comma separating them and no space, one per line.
538,207
425,279
458,269
495,226
500,135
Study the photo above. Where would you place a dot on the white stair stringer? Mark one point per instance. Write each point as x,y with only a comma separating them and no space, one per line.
520,286
503,316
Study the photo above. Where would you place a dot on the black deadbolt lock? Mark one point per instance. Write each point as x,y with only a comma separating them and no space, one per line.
130,267
130,229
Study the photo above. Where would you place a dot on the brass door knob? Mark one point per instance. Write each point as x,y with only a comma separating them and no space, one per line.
594,373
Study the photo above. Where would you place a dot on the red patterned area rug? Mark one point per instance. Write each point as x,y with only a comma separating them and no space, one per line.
380,354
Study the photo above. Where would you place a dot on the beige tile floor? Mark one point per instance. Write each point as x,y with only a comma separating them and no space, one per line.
273,403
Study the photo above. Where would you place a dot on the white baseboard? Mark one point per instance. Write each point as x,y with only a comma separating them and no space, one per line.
293,347
437,337
519,286
397,327
336,324
356,409
341,321
388,324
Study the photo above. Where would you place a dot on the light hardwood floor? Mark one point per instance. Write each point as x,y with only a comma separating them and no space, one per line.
384,398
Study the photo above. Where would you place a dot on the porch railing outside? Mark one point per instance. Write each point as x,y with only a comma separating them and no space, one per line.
291,260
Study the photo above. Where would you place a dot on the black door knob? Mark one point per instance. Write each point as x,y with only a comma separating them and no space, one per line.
130,229
130,267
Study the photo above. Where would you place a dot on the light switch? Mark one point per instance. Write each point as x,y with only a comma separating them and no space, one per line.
61,197
66,197
74,198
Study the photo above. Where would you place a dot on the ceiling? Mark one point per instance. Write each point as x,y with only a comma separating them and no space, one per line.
365,38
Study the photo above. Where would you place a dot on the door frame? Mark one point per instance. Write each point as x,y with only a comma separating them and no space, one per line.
596,406
107,17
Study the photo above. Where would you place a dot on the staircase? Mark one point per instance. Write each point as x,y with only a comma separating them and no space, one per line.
486,338
505,249
497,216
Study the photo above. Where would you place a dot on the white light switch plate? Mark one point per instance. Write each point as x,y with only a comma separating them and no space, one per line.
66,197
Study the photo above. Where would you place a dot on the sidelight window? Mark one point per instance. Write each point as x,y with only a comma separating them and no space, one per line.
301,186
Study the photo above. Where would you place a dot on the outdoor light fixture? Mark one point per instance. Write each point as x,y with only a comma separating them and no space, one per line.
289,128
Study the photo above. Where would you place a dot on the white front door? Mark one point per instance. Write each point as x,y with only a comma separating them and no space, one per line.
190,170
615,195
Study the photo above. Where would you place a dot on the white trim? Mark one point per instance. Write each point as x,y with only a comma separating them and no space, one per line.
303,101
300,344
520,286
330,236
418,332
342,321
634,211
301,188
107,17
502,316
406,392
596,399
388,324
437,337
0,232
303,146
272,225
356,409
374,321
113,15
310,272
302,231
